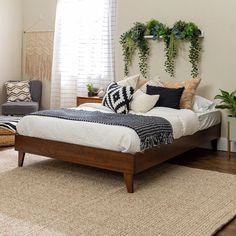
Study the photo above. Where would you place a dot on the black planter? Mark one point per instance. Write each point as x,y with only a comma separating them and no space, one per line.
90,94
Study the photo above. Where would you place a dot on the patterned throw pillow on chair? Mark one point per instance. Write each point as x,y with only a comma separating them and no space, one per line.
18,91
117,98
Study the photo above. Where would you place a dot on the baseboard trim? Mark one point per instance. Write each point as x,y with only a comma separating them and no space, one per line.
222,145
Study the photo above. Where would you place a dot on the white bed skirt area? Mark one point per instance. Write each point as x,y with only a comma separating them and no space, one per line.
115,138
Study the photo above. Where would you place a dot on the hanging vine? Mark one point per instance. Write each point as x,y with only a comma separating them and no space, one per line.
128,48
171,52
193,33
194,52
134,39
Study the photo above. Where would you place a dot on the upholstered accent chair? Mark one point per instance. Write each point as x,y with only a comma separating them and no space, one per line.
24,108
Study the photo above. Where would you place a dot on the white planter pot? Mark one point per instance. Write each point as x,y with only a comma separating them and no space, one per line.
232,128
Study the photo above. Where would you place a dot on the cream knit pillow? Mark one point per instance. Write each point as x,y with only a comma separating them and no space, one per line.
131,81
142,102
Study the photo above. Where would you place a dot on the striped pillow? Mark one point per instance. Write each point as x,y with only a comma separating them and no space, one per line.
18,91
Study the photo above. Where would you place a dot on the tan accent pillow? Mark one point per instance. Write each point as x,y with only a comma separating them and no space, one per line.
189,91
141,82
155,81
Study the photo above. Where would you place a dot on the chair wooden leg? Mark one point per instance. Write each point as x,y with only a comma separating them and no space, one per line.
214,144
129,181
21,157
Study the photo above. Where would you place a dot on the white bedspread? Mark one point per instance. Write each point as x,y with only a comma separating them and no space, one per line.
116,138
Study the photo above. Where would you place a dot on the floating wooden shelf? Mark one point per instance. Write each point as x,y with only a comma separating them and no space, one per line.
161,37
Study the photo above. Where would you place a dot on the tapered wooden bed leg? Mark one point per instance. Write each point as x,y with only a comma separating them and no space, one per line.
129,181
214,144
21,157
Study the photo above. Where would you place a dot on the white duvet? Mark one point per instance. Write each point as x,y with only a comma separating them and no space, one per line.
116,138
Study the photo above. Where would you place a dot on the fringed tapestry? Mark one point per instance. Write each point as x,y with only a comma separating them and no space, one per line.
38,55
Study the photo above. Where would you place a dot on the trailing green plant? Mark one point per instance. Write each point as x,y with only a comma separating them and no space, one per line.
228,101
128,48
171,51
134,39
158,30
179,30
131,41
182,31
193,33
155,28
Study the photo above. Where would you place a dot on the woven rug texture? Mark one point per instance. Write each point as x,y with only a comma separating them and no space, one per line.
49,197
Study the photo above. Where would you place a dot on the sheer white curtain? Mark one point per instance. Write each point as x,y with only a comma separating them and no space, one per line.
83,48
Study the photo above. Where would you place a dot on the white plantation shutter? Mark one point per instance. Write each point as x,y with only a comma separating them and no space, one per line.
83,49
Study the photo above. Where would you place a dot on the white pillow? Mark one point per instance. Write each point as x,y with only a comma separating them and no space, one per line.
143,102
129,81
201,104
152,82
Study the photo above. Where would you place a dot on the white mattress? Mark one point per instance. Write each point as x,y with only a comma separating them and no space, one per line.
116,138
209,118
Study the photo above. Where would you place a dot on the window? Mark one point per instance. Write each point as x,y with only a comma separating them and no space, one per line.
83,48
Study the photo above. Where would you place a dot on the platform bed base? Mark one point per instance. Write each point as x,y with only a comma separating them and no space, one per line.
128,164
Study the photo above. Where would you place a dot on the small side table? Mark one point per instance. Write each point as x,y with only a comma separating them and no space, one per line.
95,99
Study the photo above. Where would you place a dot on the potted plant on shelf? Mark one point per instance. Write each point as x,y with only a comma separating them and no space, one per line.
228,102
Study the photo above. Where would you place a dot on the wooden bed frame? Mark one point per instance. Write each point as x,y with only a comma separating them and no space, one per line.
128,164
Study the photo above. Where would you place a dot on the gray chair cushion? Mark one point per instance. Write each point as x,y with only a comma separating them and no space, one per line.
19,108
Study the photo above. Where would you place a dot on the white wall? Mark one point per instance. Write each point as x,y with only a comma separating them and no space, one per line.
217,20
10,42
39,15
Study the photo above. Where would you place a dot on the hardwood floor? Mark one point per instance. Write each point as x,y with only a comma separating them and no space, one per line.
210,160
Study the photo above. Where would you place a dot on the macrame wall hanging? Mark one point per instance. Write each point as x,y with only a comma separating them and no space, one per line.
38,55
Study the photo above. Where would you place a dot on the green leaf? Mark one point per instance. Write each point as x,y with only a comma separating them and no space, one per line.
224,106
219,97
224,93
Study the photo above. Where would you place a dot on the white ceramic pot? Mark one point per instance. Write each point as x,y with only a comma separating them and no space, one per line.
232,128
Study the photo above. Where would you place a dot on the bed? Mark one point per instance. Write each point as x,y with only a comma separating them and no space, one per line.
110,147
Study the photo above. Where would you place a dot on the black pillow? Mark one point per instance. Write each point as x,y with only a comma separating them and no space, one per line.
117,98
169,97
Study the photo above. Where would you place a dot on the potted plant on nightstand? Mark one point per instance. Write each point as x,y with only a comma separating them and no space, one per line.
228,102
90,89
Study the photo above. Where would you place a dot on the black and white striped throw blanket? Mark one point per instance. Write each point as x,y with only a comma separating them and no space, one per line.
9,122
152,131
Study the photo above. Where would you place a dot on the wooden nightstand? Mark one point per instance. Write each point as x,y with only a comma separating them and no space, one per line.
81,100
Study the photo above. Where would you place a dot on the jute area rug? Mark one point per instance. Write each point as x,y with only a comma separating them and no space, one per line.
48,197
